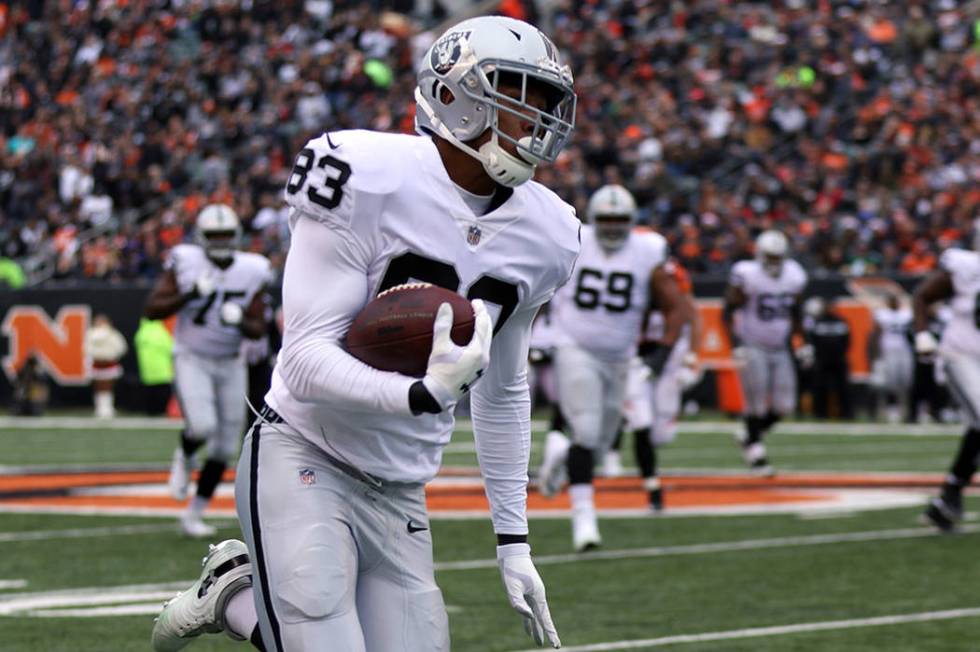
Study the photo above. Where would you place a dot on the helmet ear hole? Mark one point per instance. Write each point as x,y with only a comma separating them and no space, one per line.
445,95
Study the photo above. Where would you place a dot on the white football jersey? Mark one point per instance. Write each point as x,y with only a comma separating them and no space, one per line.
199,327
766,318
601,308
962,332
392,216
895,326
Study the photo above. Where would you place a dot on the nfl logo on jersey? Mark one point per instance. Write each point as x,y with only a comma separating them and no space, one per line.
473,235
307,477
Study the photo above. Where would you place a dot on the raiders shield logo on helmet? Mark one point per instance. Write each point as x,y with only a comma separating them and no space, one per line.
447,51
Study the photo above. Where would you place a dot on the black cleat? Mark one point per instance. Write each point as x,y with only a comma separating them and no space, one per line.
657,500
946,510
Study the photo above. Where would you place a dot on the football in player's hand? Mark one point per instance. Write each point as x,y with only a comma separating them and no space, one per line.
394,331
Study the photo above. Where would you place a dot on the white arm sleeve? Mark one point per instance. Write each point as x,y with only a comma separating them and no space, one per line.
325,285
501,410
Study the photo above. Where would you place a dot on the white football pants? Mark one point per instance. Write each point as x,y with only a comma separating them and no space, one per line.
337,565
963,380
590,394
768,381
211,393
654,402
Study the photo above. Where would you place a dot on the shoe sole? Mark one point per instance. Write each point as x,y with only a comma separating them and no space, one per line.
940,517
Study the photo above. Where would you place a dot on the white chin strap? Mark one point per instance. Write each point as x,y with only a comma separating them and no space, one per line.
503,167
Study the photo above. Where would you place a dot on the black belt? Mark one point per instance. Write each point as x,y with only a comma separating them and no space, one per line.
269,415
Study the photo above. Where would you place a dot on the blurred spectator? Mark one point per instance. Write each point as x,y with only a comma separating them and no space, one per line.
830,336
154,354
30,389
104,347
852,126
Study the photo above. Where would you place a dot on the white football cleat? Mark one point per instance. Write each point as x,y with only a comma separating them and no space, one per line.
612,464
180,474
585,529
193,526
200,609
553,473
757,460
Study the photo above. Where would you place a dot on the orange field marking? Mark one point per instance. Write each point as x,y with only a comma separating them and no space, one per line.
65,490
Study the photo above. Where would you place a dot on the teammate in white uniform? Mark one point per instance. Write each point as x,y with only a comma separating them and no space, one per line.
218,295
653,401
598,317
892,353
330,486
958,281
762,311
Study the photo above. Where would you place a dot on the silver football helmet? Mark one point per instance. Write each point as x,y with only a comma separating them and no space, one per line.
771,249
218,231
469,61
612,210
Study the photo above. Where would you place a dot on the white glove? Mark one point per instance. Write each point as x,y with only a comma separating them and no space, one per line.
925,343
204,286
806,355
525,591
690,373
231,314
453,369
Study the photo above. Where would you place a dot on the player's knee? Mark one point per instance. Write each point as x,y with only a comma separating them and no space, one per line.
202,427
664,431
320,579
428,623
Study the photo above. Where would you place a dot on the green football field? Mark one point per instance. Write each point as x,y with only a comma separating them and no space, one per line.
858,577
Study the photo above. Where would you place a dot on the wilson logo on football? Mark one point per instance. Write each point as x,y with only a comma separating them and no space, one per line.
59,345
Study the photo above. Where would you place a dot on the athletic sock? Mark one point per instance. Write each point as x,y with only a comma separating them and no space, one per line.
580,463
770,420
189,445
256,639
753,429
557,419
646,454
210,477
582,496
240,617
965,462
618,441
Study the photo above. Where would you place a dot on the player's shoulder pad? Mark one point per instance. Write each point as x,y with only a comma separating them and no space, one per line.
378,161
255,261
656,244
741,272
561,224
796,274
183,253
560,227
956,261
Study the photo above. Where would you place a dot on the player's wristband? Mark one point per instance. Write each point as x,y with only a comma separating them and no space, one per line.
507,539
421,401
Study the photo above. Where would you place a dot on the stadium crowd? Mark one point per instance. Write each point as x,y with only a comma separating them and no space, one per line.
854,126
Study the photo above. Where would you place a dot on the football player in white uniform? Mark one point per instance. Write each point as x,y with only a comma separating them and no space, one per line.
598,317
218,295
762,311
330,486
892,354
653,401
958,281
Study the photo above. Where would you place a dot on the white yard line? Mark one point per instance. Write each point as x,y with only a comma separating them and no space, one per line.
778,630
6,585
713,548
84,533
90,596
